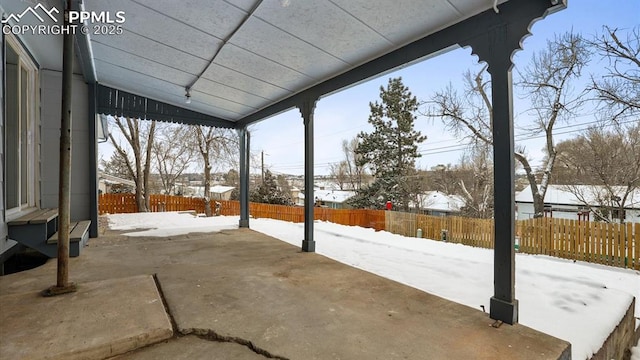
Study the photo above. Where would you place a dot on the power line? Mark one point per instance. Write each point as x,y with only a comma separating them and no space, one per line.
462,147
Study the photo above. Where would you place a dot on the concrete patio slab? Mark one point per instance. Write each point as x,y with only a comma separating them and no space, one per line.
102,319
243,287
191,348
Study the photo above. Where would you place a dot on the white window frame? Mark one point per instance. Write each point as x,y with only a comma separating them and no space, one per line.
31,157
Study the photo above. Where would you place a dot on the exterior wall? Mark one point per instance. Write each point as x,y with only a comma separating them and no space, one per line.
5,243
633,216
51,98
525,211
221,196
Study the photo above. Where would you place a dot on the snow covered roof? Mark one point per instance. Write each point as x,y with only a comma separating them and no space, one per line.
571,194
439,201
116,180
220,189
325,185
334,196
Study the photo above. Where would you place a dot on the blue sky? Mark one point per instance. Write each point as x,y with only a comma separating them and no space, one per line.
344,114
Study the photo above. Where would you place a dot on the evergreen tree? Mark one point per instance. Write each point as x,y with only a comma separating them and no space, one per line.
268,192
391,149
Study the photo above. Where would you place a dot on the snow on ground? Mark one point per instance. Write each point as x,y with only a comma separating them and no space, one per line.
577,302
169,223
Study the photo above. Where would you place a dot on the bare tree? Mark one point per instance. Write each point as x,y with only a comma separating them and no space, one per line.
338,172
350,173
546,82
619,89
355,170
443,178
608,163
139,135
173,155
217,147
475,182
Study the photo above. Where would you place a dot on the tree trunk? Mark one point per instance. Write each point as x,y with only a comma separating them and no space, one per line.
147,167
207,186
140,197
538,206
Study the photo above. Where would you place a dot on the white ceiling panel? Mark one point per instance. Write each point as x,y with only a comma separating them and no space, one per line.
418,17
274,44
161,29
137,64
327,27
214,17
468,8
147,49
261,68
161,90
235,79
222,91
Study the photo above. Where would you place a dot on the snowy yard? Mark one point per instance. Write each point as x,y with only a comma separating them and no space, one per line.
575,301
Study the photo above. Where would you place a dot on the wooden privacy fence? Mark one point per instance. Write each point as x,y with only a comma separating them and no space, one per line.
374,219
608,244
126,203
474,232
604,243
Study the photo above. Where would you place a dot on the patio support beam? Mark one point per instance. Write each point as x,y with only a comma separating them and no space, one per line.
307,107
245,148
503,305
496,47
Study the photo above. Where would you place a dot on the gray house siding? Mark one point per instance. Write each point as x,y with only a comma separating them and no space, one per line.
51,83
5,243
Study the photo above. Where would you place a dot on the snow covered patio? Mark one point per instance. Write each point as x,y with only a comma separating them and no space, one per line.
241,286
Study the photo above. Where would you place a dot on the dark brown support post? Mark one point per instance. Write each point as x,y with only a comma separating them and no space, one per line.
64,192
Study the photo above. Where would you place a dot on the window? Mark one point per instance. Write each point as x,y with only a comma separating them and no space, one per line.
20,127
618,214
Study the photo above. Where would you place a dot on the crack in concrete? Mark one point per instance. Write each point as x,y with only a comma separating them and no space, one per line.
174,324
210,335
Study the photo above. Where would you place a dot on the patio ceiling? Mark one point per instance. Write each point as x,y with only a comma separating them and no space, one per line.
241,56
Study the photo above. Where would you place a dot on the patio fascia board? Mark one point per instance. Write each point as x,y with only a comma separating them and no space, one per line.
511,13
115,102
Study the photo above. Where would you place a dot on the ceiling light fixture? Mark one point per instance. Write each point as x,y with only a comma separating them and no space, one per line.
187,96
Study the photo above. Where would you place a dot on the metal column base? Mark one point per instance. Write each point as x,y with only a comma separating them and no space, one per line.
244,224
308,246
507,312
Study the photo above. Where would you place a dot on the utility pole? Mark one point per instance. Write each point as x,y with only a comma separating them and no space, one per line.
262,156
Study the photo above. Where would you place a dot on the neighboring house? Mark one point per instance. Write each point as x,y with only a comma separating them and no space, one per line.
333,199
106,182
437,203
574,201
220,192
295,194
325,185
